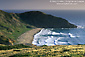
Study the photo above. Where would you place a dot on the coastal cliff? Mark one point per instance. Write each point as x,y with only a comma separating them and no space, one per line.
42,20
12,25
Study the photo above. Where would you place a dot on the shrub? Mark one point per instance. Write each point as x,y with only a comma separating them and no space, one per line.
14,46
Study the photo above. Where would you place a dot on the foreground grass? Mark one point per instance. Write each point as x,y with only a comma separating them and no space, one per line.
46,51
13,47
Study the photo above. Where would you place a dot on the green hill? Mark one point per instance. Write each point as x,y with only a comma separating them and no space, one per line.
13,25
42,20
10,27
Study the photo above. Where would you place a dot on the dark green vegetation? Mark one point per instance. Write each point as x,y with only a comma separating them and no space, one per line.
28,54
14,47
23,55
42,20
12,25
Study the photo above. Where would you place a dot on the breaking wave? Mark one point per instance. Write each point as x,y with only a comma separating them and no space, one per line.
80,26
52,36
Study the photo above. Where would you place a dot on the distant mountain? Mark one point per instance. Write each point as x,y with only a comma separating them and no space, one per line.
42,20
13,25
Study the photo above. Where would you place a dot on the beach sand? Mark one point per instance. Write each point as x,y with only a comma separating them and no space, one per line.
28,36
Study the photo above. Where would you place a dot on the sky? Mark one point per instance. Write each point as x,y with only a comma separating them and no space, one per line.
38,4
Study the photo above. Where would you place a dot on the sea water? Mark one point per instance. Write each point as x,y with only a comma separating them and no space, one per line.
61,36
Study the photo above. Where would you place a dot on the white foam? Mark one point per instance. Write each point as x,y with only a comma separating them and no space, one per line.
49,32
71,35
54,33
63,33
80,26
56,38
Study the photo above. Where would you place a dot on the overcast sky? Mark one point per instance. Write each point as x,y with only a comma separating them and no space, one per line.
37,4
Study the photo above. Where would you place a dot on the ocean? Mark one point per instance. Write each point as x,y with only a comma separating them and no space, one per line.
60,36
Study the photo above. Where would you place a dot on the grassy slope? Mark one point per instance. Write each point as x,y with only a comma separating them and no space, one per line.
10,27
46,51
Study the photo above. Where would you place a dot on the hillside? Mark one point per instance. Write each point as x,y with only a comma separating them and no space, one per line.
42,20
12,25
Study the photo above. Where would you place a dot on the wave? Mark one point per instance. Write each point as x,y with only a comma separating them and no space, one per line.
51,37
78,26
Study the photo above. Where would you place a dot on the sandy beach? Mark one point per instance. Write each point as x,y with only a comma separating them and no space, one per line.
27,37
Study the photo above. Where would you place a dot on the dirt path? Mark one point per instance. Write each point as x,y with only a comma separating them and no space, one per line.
27,37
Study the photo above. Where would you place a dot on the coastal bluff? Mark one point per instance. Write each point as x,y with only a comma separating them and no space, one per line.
42,20
12,25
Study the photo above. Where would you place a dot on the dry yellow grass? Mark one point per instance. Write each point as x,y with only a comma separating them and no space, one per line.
58,50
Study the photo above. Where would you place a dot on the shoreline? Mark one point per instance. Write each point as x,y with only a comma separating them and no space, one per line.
36,33
27,37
